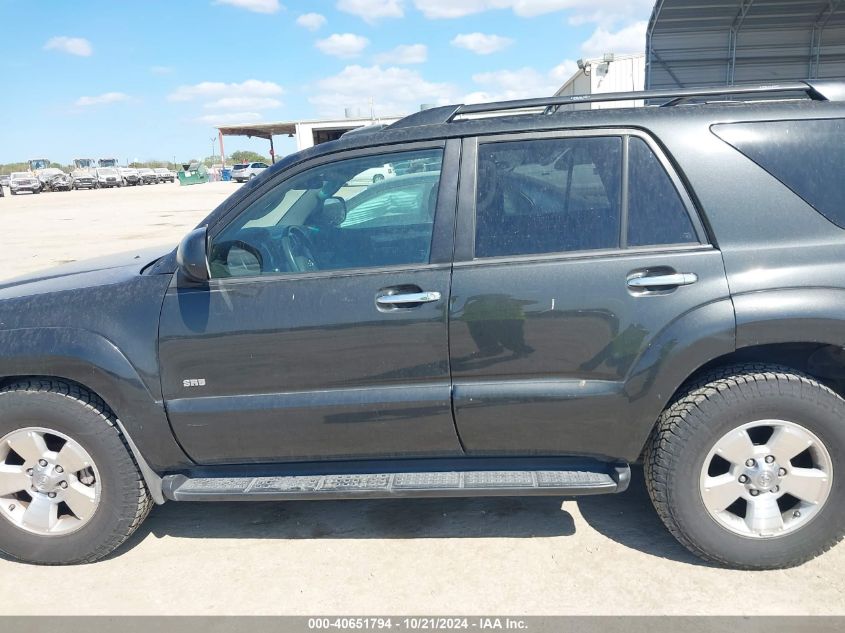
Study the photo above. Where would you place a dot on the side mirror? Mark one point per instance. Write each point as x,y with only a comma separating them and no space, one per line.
192,256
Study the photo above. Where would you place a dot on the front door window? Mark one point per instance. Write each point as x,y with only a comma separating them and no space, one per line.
350,214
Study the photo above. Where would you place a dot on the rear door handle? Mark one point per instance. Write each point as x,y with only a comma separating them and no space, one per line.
662,281
409,298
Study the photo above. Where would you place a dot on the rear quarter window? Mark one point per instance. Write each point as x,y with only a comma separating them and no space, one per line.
808,156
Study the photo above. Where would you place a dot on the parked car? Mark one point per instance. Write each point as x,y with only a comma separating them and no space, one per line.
84,178
164,175
148,176
4,180
130,176
108,177
54,179
23,181
556,297
247,171
370,176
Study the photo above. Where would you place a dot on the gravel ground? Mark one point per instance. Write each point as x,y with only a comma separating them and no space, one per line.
536,556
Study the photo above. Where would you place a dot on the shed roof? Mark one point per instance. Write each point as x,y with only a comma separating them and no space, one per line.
704,42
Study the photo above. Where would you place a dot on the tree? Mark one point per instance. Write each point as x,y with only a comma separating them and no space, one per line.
243,156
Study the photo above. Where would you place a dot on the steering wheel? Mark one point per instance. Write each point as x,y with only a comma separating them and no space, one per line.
298,250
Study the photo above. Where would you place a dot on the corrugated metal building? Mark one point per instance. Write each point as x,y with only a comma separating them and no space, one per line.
700,42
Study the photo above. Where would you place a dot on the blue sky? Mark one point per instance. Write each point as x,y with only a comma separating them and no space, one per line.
140,80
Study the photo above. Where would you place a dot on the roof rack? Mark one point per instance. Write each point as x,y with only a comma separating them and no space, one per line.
815,90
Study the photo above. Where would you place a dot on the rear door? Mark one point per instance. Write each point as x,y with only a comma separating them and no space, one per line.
576,255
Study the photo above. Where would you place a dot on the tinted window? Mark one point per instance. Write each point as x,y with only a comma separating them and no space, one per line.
656,213
332,218
549,195
807,156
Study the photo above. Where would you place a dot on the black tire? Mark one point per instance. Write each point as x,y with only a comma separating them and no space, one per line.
705,411
124,499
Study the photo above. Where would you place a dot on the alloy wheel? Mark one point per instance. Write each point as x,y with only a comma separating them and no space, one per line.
766,478
49,484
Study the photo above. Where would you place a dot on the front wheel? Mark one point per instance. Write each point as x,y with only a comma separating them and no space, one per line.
746,467
70,491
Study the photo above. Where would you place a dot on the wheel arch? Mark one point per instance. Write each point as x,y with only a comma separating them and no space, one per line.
98,366
823,361
151,478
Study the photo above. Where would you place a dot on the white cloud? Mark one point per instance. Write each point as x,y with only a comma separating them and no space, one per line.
522,83
372,10
404,54
71,45
105,98
630,39
343,45
563,71
393,91
439,9
219,89
161,70
229,118
444,9
311,21
481,43
501,85
243,103
256,6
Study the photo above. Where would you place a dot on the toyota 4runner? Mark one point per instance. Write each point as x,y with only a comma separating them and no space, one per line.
557,295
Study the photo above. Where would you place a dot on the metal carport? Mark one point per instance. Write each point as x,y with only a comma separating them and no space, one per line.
702,42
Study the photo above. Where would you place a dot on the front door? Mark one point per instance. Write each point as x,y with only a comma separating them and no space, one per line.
323,331
578,254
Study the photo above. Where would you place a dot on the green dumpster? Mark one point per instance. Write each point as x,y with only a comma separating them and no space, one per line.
193,174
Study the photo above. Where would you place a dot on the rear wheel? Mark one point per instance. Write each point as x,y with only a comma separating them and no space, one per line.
746,467
70,491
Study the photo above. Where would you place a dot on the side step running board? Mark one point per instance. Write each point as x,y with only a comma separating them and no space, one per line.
483,483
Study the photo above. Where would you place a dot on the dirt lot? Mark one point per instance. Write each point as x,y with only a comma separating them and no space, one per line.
478,556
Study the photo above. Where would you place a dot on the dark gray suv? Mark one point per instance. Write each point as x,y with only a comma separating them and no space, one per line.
555,296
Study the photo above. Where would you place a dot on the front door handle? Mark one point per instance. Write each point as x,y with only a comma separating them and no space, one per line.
662,281
409,298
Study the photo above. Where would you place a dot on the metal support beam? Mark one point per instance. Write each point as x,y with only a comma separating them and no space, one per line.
816,39
222,150
649,50
736,26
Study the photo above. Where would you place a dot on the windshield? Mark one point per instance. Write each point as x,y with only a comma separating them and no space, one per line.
107,172
39,163
84,163
20,174
239,166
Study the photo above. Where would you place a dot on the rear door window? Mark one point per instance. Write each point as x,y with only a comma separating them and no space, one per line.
562,195
548,196
808,156
656,213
